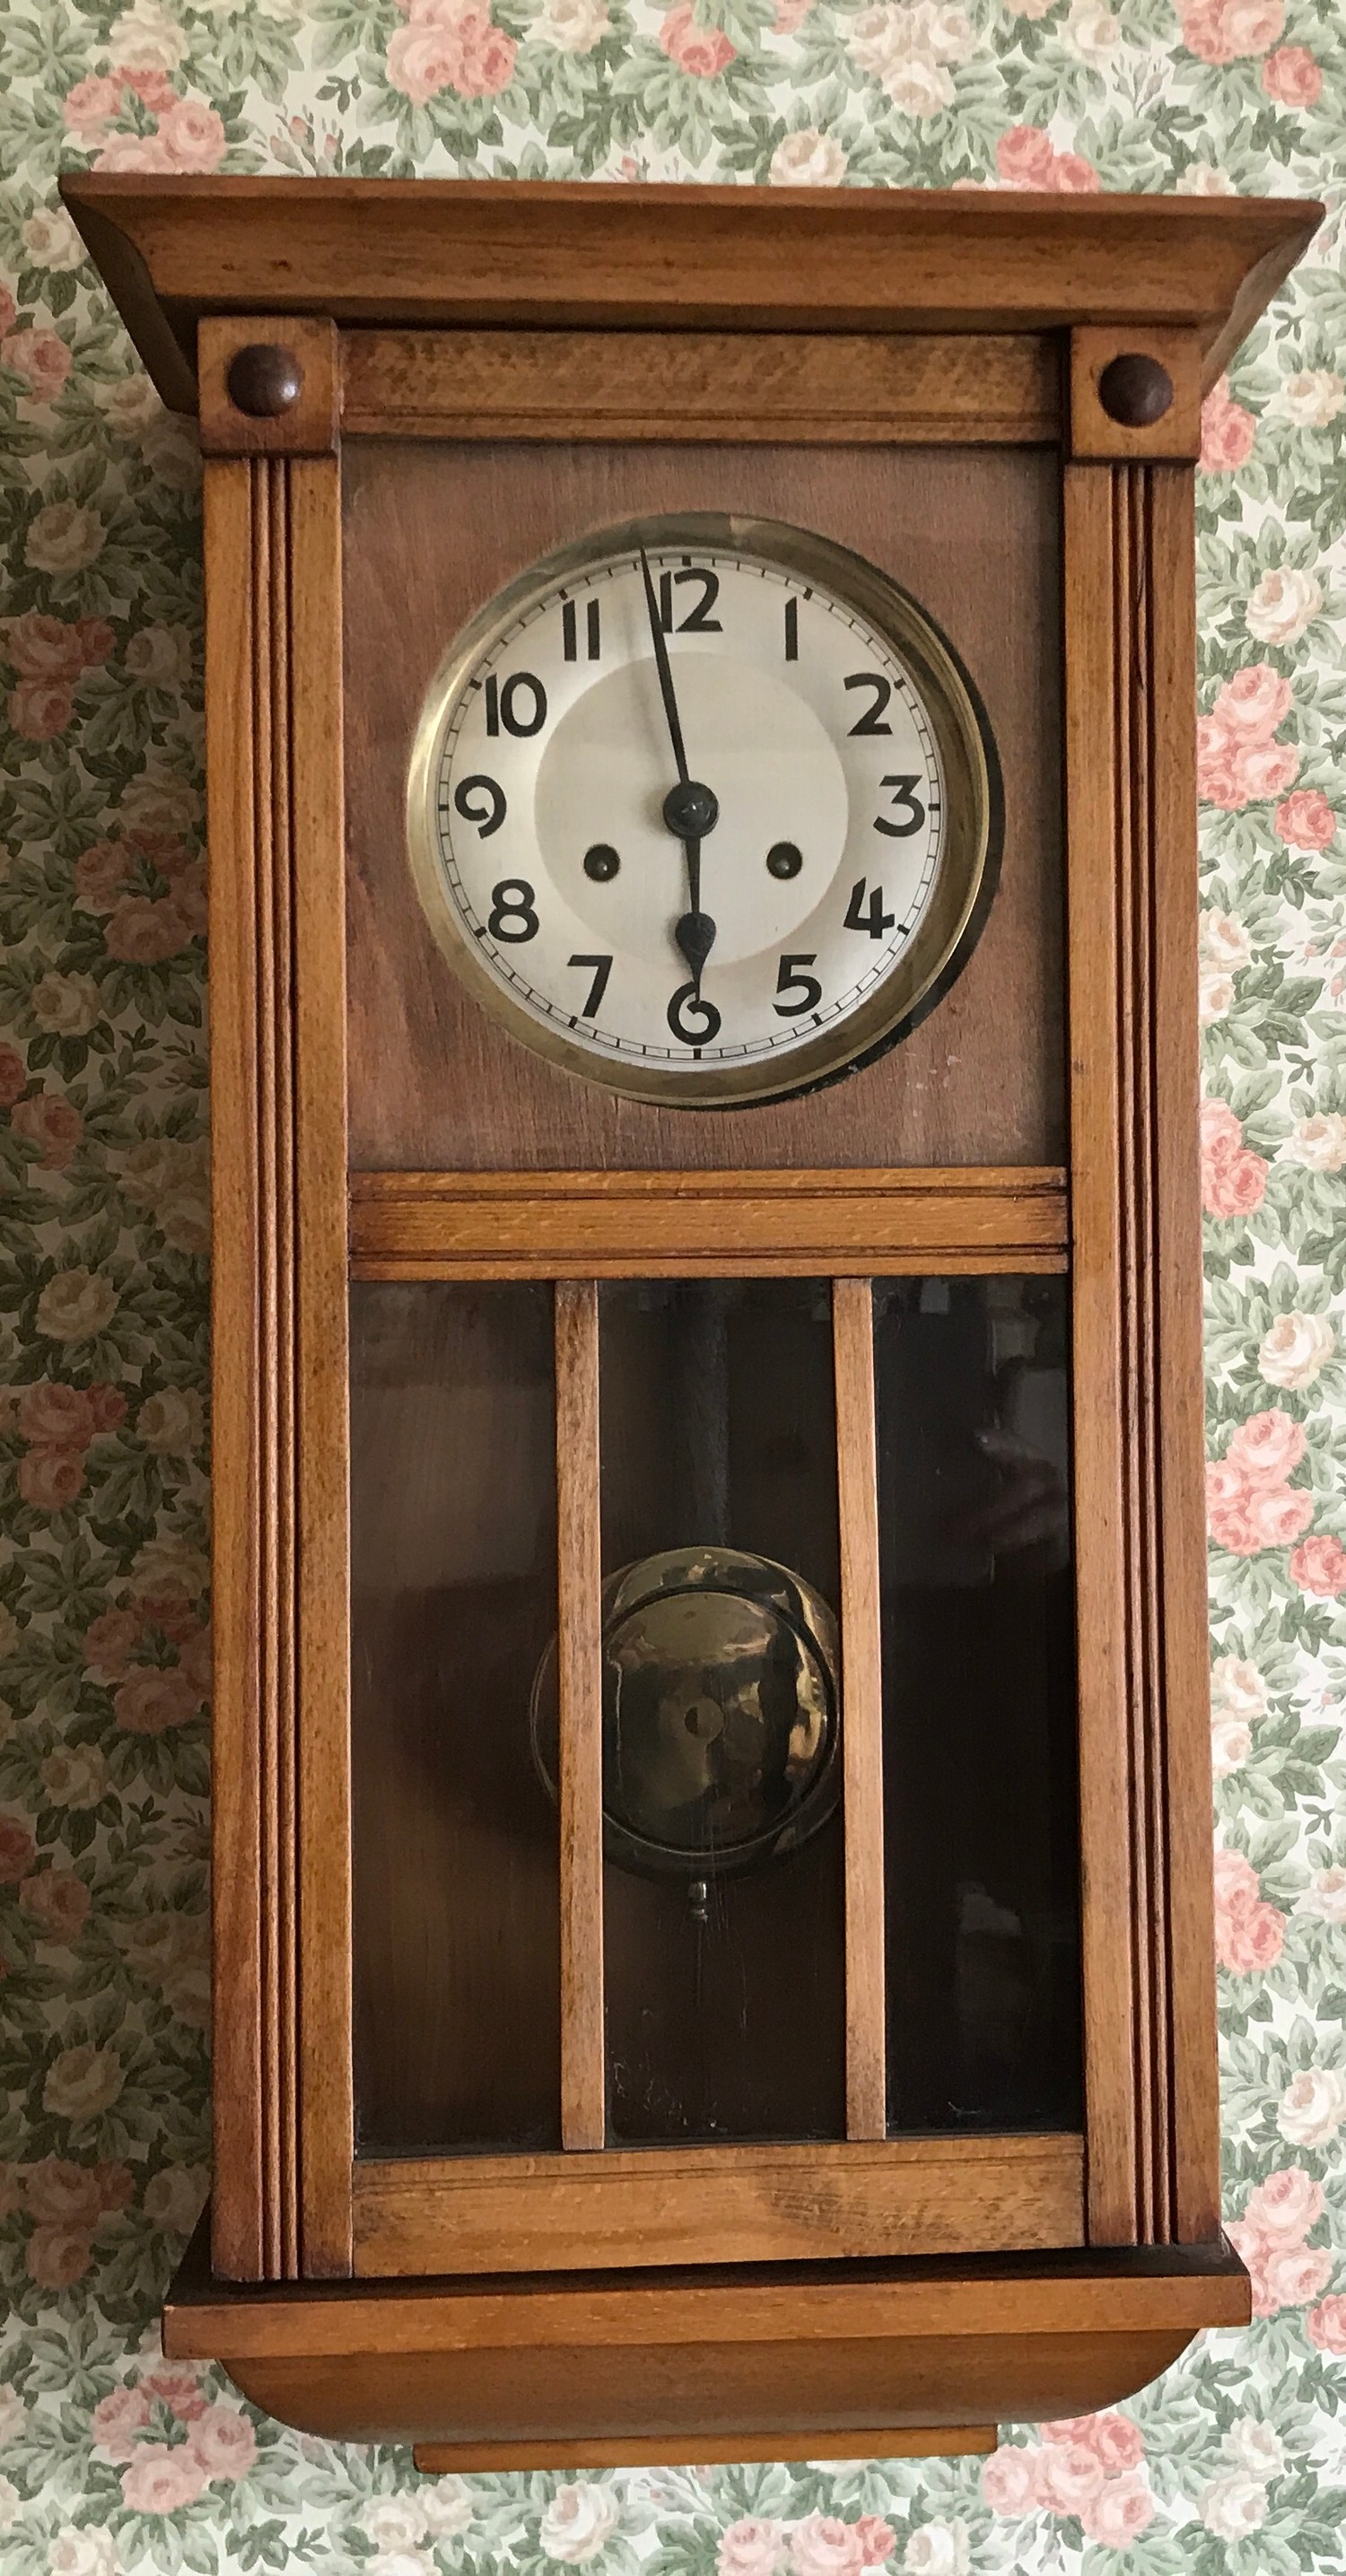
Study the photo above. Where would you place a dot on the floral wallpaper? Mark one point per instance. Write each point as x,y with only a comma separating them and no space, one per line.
109,2460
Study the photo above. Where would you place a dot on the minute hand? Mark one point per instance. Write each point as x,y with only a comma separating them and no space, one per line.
665,671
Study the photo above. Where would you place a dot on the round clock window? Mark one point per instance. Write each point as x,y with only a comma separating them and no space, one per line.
705,809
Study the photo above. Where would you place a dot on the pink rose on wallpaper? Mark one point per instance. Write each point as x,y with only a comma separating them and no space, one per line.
51,1412
101,875
162,2478
1120,2511
1249,1932
58,1900
1073,176
1319,1567
40,709
1305,820
41,358
1326,2325
47,1120
117,2418
56,2257
703,51
1227,431
877,2539
1009,2478
54,648
1233,1178
1219,31
144,153
823,2545
450,44
1068,2474
790,16
1026,157
59,2193
750,2547
13,1074
18,1851
222,2441
1268,1446
1292,77
192,135
1253,702
154,89
151,1700
178,2387
145,930
9,311
1115,2441
91,105
109,1643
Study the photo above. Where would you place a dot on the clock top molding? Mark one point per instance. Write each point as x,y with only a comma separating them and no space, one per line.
468,255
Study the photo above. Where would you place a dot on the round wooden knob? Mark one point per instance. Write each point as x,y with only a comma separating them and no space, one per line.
264,380
1134,390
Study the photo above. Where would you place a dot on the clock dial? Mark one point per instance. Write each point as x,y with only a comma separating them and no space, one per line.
704,808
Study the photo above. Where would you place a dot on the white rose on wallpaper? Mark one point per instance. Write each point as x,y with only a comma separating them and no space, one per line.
1231,1743
131,405
1295,1349
807,160
1237,1685
938,2549
75,1305
573,26
1093,31
446,2506
578,2523
13,2412
51,241
76,1775
64,538
66,1005
172,1423
1324,1899
1319,1143
174,2199
161,656
1311,399
907,48
10,2503
1214,994
1282,605
147,38
1255,2447
1205,179
159,799
1311,2111
83,2553
171,447
393,2522
1224,941
81,2082
1234,2506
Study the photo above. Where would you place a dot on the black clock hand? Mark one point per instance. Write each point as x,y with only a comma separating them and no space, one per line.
690,810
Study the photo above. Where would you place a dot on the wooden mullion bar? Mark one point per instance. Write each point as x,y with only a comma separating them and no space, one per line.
862,1707
580,1704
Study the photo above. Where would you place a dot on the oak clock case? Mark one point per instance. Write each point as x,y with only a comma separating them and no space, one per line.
711,1909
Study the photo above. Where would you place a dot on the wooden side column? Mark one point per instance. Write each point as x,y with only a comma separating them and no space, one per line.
283,2124
579,1653
1150,2068
862,1708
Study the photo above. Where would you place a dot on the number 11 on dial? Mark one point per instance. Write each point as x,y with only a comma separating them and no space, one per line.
704,809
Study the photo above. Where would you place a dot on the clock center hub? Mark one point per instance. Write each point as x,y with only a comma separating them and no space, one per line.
691,810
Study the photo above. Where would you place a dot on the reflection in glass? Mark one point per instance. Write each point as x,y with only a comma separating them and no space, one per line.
724,1983
979,1703
457,1966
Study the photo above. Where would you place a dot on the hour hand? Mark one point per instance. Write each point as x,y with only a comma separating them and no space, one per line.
695,936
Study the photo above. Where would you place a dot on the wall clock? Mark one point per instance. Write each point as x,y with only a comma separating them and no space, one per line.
711,1895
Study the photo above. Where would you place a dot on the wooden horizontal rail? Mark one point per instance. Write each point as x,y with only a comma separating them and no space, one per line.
622,1225
662,2450
750,2204
859,388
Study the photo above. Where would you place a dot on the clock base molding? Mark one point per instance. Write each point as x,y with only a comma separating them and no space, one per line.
734,2362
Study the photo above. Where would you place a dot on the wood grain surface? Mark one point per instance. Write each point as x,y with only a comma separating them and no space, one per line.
445,1225
757,386
743,2204
564,255
431,531
861,1709
923,2442
1149,1987
579,1689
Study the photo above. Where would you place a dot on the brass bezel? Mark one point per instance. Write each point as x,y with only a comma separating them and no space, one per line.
972,812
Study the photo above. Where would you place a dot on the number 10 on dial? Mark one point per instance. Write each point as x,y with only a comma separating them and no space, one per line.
704,809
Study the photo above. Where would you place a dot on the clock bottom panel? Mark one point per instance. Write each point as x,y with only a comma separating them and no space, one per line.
720,1943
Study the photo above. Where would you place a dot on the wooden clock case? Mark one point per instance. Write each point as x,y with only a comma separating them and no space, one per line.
406,391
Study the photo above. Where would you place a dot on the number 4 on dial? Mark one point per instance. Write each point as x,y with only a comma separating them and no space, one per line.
875,920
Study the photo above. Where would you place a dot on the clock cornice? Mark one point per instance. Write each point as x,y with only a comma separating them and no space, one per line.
442,253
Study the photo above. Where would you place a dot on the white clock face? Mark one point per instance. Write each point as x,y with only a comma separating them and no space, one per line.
702,808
